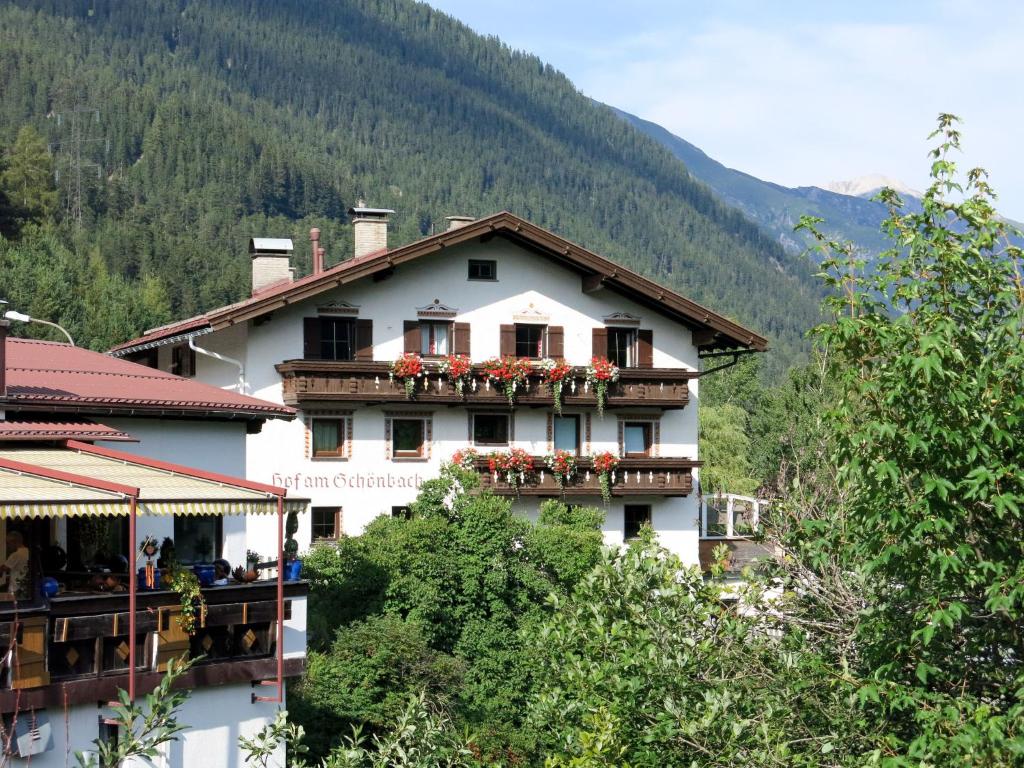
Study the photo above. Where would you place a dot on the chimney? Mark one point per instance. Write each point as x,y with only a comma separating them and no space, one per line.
271,261
4,325
371,228
318,252
457,222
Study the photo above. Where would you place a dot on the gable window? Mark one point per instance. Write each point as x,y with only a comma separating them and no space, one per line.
435,338
483,269
622,346
636,516
326,523
566,433
490,428
530,340
337,338
637,438
407,438
328,437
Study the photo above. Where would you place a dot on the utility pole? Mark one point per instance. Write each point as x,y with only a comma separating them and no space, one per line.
81,123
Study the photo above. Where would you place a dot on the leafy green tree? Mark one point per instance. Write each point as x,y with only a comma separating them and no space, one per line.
725,450
927,348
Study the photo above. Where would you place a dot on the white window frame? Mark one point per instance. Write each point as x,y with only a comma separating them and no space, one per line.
730,519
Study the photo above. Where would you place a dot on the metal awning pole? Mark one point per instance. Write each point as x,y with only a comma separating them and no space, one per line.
280,599
132,591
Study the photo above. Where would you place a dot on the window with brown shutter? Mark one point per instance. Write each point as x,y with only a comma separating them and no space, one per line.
460,341
507,348
556,341
645,348
364,339
411,336
311,338
600,342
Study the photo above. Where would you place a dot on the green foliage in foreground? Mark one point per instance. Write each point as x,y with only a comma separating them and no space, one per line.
445,602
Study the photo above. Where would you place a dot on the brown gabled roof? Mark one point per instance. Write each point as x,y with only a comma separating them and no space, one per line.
19,429
715,331
54,377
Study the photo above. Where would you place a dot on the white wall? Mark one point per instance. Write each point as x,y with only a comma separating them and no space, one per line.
527,283
214,446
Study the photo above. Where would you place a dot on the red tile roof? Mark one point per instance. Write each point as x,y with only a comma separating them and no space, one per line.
718,332
58,377
78,429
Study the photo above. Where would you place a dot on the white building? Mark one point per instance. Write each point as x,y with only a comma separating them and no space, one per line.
497,287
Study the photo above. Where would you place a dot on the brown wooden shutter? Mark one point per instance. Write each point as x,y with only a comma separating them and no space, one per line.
556,341
364,339
508,341
311,338
460,339
600,342
645,349
411,333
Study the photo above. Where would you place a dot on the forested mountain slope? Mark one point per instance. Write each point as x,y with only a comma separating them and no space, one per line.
775,207
219,121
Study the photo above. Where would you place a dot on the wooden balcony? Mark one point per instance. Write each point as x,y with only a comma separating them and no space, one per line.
334,382
633,477
77,647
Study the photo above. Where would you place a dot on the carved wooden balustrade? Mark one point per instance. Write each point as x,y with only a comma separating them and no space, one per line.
633,477
330,381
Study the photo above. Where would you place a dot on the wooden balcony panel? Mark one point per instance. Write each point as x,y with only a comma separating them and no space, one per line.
634,477
326,381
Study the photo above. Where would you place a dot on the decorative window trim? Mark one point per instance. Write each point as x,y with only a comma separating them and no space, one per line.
587,449
307,419
436,310
473,413
531,316
622,319
427,417
338,308
653,419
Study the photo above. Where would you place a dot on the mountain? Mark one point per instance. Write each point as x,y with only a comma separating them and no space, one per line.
778,208
869,186
209,123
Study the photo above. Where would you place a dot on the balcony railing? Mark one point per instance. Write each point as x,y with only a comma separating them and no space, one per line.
633,477
329,381
77,647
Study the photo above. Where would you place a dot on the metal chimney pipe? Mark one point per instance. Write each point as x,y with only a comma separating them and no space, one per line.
318,253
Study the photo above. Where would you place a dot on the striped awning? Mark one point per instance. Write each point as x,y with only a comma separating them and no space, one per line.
85,480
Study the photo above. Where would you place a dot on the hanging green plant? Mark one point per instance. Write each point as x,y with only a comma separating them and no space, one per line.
186,584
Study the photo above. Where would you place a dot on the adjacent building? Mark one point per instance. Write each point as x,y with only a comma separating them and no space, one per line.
97,455
501,295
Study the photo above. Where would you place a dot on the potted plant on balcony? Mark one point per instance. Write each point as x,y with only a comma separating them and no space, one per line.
563,466
293,566
514,466
458,369
407,369
600,373
604,465
465,458
186,584
509,373
252,565
556,374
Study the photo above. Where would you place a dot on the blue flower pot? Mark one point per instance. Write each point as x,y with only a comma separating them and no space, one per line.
205,573
292,570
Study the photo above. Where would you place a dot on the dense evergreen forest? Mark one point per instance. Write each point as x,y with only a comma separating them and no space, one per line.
199,125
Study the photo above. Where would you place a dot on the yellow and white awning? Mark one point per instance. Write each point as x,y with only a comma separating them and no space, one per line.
83,480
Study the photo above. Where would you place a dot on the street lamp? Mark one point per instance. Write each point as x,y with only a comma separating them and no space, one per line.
21,317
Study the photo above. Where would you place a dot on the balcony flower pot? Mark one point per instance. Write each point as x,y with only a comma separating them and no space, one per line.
292,570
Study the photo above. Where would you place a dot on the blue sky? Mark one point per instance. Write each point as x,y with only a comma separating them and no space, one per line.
794,92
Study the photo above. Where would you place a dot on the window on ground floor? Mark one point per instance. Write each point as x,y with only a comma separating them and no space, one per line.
197,538
636,517
326,523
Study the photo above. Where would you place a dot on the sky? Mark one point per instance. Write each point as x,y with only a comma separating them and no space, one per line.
798,93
